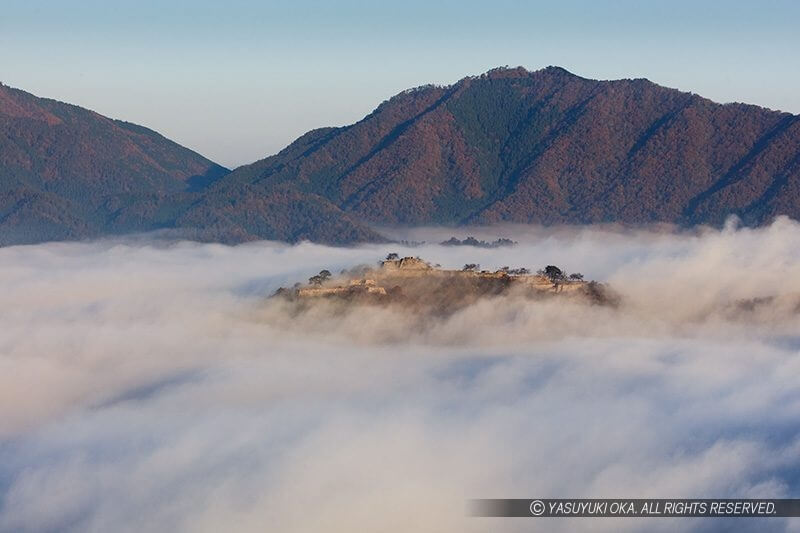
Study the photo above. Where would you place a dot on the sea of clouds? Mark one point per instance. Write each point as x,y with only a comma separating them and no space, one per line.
151,386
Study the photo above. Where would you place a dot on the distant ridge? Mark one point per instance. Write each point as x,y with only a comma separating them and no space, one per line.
506,146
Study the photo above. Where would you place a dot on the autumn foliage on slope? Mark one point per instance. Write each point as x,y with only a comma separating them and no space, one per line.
547,147
510,145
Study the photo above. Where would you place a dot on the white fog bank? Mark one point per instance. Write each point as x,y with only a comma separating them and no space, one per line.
152,387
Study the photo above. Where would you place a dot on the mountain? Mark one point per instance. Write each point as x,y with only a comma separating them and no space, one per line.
543,147
507,146
69,173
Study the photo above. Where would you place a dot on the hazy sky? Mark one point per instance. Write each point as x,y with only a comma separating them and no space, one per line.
238,80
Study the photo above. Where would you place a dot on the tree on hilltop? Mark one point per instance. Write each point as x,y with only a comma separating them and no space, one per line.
554,274
320,278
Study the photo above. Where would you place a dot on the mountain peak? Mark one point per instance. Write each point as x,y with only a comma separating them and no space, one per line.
506,72
554,70
549,146
522,72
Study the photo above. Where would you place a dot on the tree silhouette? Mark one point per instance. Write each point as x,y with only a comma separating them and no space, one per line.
554,273
320,278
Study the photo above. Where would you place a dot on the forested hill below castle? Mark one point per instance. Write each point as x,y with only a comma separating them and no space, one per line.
510,145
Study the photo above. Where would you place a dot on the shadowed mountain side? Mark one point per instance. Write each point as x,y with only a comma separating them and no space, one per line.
249,212
28,216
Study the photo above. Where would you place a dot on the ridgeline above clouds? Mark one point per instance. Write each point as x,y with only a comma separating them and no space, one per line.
544,147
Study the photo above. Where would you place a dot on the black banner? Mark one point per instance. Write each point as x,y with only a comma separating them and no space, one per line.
634,508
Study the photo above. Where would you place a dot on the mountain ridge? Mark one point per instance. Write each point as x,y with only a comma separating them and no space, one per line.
524,168
509,145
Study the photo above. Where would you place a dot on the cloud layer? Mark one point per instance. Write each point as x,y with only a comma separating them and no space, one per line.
150,386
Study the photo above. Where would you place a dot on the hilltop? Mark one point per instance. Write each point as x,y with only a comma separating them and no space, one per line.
414,283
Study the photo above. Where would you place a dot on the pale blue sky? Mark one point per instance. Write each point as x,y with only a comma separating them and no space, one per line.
238,80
